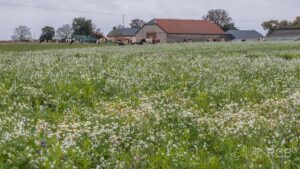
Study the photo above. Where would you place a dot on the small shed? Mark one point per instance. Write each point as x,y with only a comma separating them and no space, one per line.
243,35
84,39
285,35
58,39
124,35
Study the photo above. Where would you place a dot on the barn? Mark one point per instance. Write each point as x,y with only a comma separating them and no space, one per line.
243,35
285,34
125,35
177,30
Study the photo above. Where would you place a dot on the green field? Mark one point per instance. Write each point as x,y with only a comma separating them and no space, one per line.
22,47
185,106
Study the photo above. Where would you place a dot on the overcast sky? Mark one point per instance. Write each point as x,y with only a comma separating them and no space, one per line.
247,14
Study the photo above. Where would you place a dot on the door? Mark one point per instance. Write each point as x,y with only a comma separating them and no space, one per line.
151,35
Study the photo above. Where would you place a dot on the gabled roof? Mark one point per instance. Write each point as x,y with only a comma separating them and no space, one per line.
152,22
123,32
178,26
244,34
285,33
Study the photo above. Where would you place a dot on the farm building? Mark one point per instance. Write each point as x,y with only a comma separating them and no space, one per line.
285,34
243,35
58,39
84,39
125,35
175,30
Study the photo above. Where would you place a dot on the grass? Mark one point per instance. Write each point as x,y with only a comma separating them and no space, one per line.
202,105
22,47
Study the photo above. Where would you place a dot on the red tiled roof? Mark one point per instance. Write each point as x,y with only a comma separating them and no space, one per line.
178,26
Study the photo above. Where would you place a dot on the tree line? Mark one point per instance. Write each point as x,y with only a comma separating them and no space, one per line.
273,25
79,26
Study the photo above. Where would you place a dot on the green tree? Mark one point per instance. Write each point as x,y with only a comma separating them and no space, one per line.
21,33
296,22
221,18
270,26
137,23
82,26
284,24
273,25
48,33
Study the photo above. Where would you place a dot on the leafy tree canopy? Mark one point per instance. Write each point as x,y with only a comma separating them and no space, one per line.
221,18
82,26
137,23
48,33
273,25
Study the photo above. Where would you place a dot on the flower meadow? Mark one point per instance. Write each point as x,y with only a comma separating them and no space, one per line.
202,105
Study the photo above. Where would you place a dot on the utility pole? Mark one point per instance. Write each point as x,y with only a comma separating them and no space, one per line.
123,18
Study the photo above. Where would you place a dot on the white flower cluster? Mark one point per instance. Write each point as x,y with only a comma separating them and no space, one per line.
165,106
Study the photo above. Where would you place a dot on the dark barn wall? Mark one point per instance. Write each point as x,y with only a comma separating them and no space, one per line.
227,37
173,38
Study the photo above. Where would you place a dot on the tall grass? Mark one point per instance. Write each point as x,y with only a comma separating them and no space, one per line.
167,106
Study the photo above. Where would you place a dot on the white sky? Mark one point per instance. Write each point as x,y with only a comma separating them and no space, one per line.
247,14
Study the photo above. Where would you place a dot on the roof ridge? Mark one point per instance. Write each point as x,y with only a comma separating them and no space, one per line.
289,29
182,19
244,30
190,26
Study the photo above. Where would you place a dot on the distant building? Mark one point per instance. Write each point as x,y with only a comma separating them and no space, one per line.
176,30
84,39
125,35
285,34
243,35
58,39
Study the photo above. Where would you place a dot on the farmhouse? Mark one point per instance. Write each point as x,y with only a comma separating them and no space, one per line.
125,35
285,34
243,35
176,30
